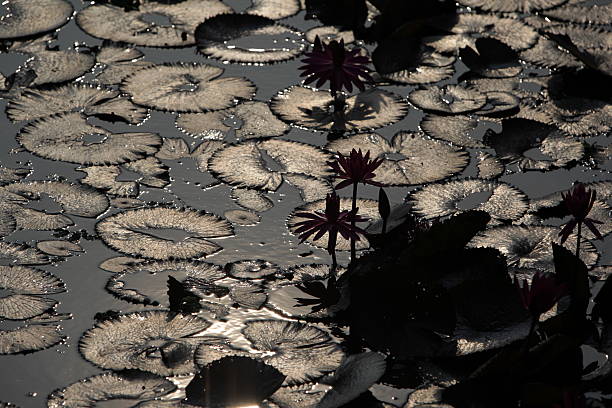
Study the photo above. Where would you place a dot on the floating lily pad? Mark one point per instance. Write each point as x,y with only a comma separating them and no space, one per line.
119,263
449,99
531,246
62,137
118,61
136,386
255,269
504,202
21,254
410,158
274,9
217,37
26,287
133,232
493,59
135,26
455,129
242,217
546,53
7,223
310,188
307,107
251,199
367,209
26,18
173,149
499,104
186,88
249,120
8,175
59,248
301,352
579,117
154,341
330,33
519,137
73,198
89,100
512,5
489,166
29,338
54,67
248,295
105,178
263,164
157,272
582,14
421,75
205,150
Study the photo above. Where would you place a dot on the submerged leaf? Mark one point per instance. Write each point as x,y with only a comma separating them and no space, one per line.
185,87
216,37
129,385
62,137
310,108
154,341
242,217
410,158
114,23
133,232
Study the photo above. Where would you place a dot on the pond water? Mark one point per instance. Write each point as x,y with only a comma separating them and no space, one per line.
173,174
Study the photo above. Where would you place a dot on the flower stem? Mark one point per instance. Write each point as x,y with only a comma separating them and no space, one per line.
534,323
578,239
353,207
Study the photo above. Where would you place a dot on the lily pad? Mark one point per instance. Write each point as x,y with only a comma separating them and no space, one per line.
153,341
512,5
114,23
29,338
217,37
255,269
242,217
133,232
274,9
409,158
251,199
455,129
21,254
26,18
62,137
59,248
450,99
312,109
185,87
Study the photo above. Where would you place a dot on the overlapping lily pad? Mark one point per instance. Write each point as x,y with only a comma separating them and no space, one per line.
531,246
186,88
217,37
137,26
274,9
27,288
249,120
9,175
582,14
367,208
450,99
21,254
309,108
137,386
546,53
264,164
299,351
409,158
329,33
59,247
118,61
155,292
512,5
63,137
133,232
455,129
504,202
29,338
26,18
251,199
155,341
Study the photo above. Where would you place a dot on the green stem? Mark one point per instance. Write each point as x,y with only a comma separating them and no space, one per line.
353,207
578,239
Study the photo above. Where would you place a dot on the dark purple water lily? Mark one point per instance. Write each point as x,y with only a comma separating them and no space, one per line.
356,168
579,202
332,221
542,295
341,67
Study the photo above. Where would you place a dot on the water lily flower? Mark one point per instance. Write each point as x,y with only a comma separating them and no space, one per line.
332,62
543,294
356,168
579,202
332,221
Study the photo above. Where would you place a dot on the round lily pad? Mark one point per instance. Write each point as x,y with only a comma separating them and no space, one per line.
449,99
59,248
309,108
299,351
264,164
252,269
409,158
26,18
26,288
455,129
154,341
251,199
133,232
220,37
367,209
504,202
139,27
54,67
134,385
63,137
249,120
29,338
185,87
